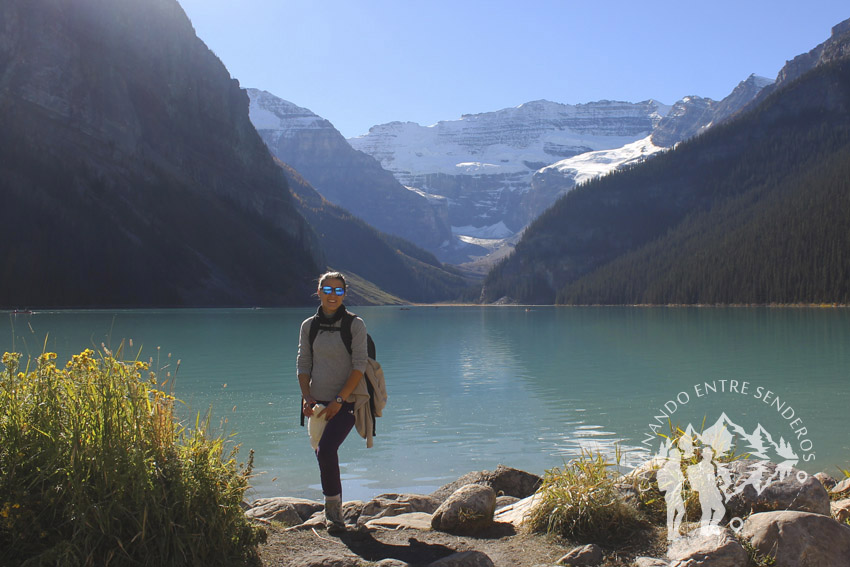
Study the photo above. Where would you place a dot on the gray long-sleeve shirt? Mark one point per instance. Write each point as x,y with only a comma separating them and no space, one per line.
328,363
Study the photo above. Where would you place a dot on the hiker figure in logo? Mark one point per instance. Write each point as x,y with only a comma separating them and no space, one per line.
670,482
703,480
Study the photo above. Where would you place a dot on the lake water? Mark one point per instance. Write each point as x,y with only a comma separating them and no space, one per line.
472,387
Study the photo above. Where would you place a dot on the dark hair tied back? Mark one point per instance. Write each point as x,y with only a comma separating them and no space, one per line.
332,276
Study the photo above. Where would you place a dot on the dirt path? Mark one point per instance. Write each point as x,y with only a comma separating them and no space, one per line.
420,547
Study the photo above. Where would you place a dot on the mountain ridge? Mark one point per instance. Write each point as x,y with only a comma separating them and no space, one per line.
343,175
383,262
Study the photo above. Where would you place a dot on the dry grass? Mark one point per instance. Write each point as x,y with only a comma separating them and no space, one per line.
583,502
95,469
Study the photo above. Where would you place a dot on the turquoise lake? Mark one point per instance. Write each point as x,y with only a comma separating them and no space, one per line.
473,387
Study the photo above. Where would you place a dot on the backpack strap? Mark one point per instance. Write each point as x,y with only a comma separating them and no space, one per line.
345,329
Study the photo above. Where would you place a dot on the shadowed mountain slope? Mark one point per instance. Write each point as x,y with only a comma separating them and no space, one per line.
130,172
389,262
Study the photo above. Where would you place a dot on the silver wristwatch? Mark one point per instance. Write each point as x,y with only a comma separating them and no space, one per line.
339,400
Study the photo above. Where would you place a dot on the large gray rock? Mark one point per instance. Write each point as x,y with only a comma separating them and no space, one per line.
518,512
842,488
711,547
352,510
475,477
786,494
799,539
469,510
396,504
840,510
505,501
506,481
590,554
827,481
464,559
290,511
410,521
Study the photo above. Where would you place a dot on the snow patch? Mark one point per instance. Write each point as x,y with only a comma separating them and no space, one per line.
432,199
472,167
496,231
262,118
594,164
267,112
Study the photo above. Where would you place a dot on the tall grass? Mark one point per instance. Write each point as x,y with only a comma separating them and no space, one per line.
95,469
583,502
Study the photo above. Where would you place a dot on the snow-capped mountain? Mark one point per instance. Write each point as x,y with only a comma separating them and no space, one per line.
483,163
500,170
345,176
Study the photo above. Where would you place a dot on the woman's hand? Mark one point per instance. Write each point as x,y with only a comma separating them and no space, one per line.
331,410
307,406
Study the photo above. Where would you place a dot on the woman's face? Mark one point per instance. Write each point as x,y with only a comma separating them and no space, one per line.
332,301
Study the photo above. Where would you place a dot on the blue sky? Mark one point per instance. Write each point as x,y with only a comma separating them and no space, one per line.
362,63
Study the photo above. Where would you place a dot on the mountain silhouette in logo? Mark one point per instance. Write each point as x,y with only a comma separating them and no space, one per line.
721,436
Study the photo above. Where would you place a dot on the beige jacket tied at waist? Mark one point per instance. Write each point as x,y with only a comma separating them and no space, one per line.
363,421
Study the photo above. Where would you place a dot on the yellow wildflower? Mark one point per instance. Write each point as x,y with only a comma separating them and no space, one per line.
11,358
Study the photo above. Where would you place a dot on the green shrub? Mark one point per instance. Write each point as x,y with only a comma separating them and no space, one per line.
95,469
582,501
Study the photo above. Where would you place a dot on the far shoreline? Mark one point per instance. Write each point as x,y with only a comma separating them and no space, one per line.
402,306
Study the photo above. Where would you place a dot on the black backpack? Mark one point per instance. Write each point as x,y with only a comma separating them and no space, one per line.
345,333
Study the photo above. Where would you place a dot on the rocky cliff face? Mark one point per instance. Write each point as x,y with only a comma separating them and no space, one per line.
128,154
687,117
345,176
693,115
835,48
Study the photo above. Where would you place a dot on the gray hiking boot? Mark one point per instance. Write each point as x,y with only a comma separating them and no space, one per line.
333,516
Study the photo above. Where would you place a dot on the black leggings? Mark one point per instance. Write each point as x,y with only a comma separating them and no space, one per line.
335,433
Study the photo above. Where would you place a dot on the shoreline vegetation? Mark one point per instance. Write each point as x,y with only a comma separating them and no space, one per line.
96,469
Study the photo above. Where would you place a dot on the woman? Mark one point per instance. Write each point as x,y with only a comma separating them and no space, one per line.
328,374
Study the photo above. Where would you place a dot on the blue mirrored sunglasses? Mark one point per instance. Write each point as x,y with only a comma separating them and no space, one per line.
327,290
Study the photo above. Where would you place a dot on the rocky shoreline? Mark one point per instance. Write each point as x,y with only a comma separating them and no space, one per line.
797,521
